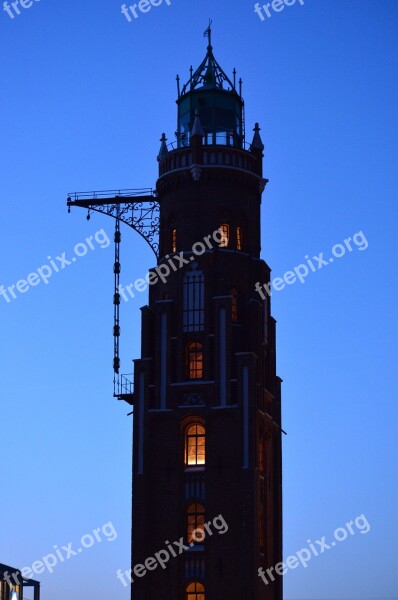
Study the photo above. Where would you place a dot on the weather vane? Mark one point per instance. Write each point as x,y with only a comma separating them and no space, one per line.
208,32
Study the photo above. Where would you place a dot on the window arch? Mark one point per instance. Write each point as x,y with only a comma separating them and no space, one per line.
194,360
193,312
234,305
195,523
195,445
195,591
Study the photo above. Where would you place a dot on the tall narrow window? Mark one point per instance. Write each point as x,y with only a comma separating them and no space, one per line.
195,591
193,311
224,231
174,240
195,452
239,238
234,305
195,523
194,360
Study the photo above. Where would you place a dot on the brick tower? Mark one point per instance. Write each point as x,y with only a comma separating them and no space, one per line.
207,410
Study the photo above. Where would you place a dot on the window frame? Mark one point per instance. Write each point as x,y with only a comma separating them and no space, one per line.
193,300
224,230
194,361
199,445
196,593
195,519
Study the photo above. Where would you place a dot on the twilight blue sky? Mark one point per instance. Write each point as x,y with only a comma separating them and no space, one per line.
85,97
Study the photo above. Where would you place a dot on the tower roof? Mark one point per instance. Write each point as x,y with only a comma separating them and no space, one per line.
209,74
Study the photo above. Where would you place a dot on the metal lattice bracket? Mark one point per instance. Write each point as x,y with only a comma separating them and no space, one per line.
138,208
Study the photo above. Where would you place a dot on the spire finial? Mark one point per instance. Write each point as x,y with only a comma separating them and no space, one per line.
163,147
257,143
208,34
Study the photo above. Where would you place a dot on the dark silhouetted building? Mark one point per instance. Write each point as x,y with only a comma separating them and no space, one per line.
13,584
207,411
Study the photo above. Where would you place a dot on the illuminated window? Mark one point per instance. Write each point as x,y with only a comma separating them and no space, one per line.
195,360
234,305
195,523
193,311
224,231
174,240
195,445
195,591
239,238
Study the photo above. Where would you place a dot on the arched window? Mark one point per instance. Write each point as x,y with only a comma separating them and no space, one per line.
193,310
194,360
234,305
195,451
195,591
239,240
195,523
224,231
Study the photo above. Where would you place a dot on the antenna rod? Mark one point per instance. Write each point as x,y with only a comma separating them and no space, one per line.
178,85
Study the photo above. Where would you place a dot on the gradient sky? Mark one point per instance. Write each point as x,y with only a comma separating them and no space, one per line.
85,98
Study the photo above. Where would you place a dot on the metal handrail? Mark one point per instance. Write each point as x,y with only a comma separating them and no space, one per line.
112,193
126,385
185,144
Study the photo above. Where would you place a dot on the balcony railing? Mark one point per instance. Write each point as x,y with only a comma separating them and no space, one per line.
111,194
210,139
221,156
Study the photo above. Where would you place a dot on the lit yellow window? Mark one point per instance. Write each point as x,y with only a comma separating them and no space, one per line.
195,591
224,230
239,238
195,523
195,453
195,360
174,240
